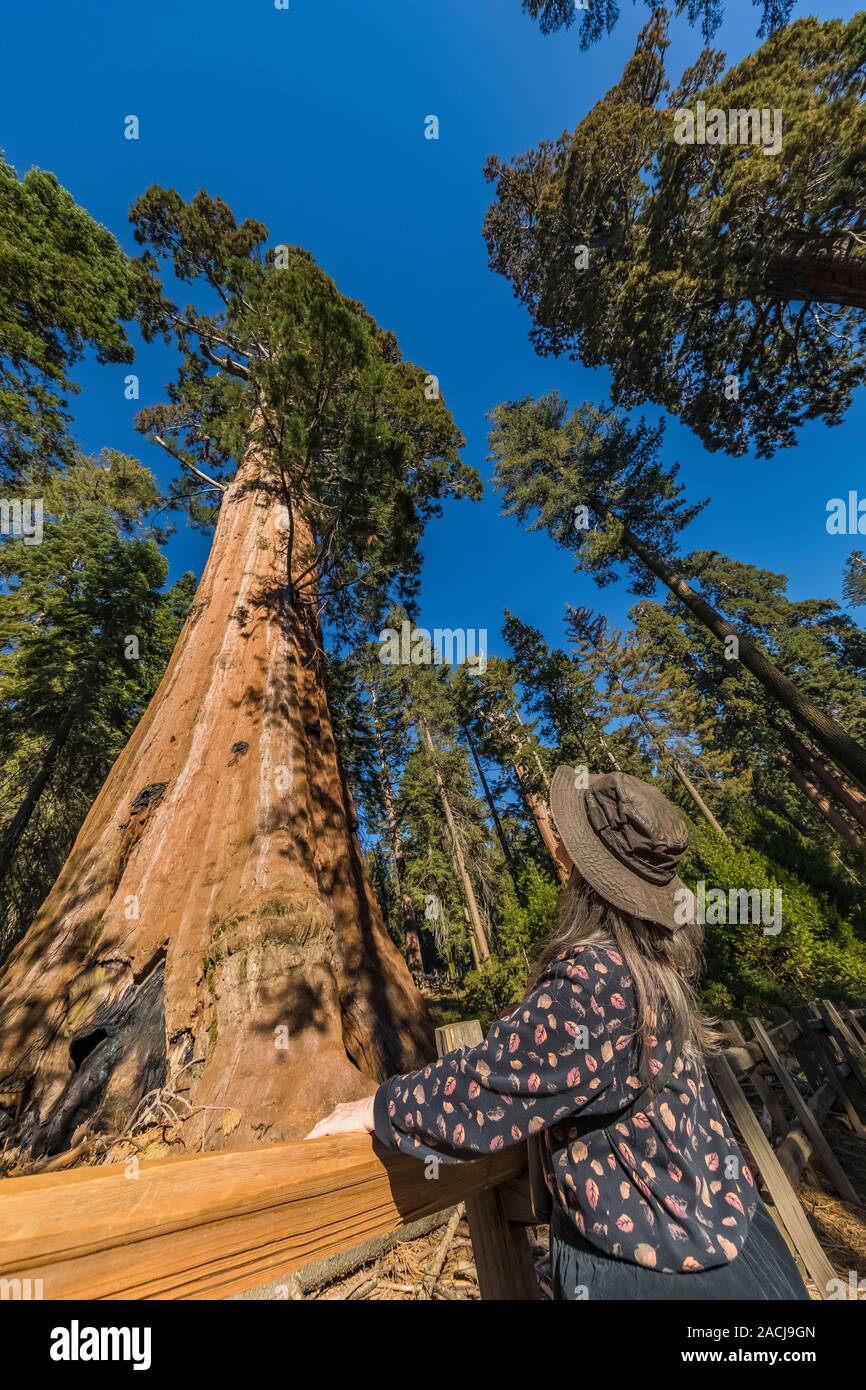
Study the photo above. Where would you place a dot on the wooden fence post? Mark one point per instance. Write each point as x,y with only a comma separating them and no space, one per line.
828,1160
848,1044
504,1264
786,1202
814,1037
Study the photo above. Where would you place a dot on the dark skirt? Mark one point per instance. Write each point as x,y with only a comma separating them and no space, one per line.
764,1269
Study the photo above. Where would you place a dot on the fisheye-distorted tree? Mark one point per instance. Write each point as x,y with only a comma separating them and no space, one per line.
598,17
724,281
556,469
64,286
213,932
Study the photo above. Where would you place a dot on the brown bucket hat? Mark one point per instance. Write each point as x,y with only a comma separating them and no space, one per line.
626,840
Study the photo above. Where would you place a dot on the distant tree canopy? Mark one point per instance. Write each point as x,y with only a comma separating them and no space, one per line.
65,286
854,581
86,629
599,17
723,282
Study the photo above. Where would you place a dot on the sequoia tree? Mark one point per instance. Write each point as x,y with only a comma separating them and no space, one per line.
213,935
718,273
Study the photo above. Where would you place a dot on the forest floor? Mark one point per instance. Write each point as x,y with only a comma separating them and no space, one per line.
446,1005
840,1227
438,1266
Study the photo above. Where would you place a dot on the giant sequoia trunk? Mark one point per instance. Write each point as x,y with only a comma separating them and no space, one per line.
213,933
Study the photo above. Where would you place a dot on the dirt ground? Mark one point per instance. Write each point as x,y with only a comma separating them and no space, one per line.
840,1227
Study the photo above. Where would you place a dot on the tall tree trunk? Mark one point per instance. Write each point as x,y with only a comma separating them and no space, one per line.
853,800
850,755
473,943
494,813
538,807
691,789
213,932
457,855
414,955
838,280
822,805
780,809
541,769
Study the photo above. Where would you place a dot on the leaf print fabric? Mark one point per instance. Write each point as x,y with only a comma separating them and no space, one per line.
667,1189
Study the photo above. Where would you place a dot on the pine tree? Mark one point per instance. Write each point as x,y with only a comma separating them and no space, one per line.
562,693
64,287
556,469
85,633
490,711
854,582
640,697
739,722
721,281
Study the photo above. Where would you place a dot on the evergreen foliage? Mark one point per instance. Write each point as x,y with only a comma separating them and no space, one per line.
704,285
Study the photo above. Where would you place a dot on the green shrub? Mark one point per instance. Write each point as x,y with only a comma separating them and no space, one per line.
817,953
520,933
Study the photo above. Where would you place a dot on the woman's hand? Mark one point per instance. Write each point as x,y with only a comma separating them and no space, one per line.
354,1117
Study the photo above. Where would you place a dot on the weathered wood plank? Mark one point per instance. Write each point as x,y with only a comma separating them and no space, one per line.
784,1197
453,1035
855,1025
814,1037
742,1055
850,1047
502,1258
795,1151
778,1120
209,1225
828,1160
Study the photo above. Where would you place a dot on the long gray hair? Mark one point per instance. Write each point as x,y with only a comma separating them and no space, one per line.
663,967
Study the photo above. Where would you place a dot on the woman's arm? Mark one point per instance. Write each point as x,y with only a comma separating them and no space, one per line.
541,1063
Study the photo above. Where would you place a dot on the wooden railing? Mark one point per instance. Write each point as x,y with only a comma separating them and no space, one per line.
212,1225
216,1224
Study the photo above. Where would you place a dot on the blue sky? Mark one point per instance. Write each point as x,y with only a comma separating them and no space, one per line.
312,120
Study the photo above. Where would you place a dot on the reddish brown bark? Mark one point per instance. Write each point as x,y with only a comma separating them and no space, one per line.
822,804
538,807
213,931
839,280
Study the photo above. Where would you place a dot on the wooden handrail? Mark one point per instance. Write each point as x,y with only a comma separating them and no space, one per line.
211,1225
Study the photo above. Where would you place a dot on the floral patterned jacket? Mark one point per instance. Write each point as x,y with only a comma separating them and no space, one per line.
667,1189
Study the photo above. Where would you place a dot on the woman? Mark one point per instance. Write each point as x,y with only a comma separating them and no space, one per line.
603,1061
